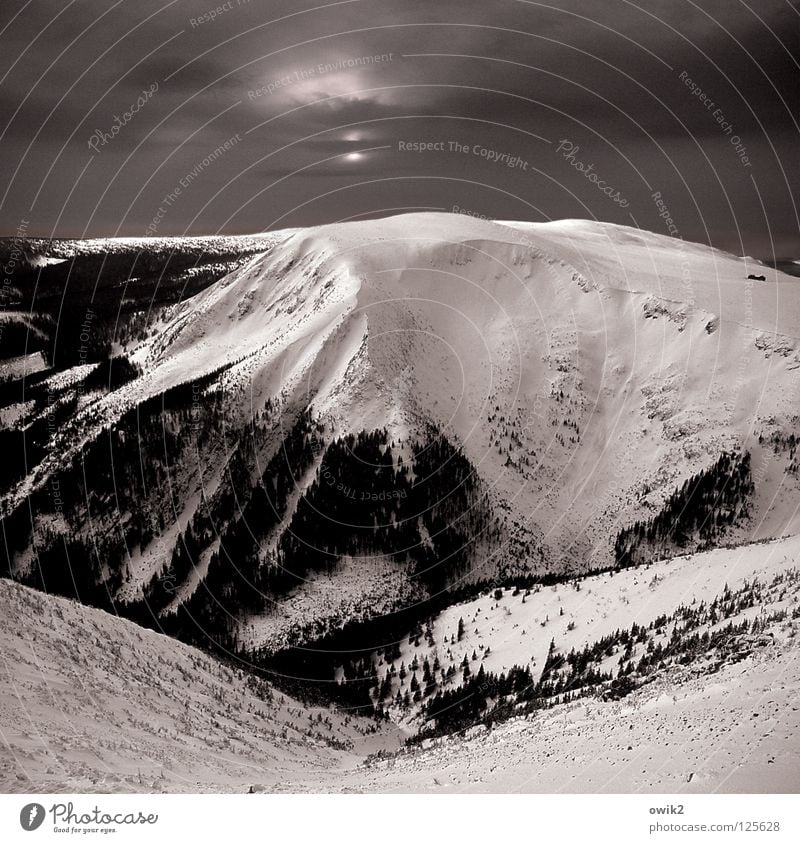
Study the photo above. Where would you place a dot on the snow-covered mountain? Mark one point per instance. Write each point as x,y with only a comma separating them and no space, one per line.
364,414
524,476
93,703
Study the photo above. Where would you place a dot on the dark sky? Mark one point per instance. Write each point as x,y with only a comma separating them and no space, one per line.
317,98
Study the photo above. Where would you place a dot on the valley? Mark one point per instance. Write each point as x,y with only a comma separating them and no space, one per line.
361,498
125,709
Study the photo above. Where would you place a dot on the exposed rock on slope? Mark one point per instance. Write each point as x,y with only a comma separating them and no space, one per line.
563,375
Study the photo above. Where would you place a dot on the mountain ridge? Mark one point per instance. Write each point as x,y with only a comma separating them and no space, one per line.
557,359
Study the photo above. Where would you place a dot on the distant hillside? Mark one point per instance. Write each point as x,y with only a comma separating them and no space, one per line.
363,417
93,703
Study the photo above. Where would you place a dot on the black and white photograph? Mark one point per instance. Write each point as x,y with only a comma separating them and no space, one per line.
400,398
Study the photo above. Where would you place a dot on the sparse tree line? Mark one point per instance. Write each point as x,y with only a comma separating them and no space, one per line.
703,636
121,492
114,496
123,289
783,443
694,516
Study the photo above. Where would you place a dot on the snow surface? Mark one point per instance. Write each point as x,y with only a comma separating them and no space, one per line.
89,702
587,368
518,629
93,703
735,732
356,589
578,362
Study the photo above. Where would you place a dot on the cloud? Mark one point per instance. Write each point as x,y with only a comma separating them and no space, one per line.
293,82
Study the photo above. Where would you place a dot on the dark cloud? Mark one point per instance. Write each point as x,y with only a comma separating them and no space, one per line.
300,90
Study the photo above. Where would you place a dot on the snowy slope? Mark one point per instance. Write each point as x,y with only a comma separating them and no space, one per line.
92,703
633,260
587,369
516,627
664,352
733,732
